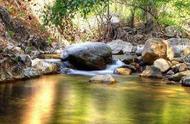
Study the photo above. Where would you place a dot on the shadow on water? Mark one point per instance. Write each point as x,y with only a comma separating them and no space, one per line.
63,99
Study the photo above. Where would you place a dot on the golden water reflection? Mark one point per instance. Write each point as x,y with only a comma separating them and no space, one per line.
40,103
62,99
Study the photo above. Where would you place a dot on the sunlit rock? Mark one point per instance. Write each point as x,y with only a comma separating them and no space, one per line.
185,52
156,48
123,71
162,64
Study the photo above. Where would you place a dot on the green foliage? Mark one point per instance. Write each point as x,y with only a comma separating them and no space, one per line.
50,40
67,9
10,33
164,12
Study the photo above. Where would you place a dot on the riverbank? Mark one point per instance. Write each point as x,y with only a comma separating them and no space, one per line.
23,53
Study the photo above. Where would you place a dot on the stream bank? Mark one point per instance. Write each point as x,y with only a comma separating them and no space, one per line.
23,54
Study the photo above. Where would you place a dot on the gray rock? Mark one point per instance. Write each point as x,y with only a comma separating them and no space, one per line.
172,31
185,59
178,45
139,49
178,76
25,59
31,73
151,72
129,58
185,81
120,47
104,79
88,56
170,72
44,66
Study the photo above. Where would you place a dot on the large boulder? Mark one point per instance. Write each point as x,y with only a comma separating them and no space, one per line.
88,56
178,45
104,79
156,48
120,47
162,64
151,72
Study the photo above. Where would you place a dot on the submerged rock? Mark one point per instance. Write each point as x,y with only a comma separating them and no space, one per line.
88,56
162,64
151,72
156,48
104,79
120,47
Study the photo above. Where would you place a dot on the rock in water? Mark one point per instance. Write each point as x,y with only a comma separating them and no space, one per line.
179,76
156,48
162,64
151,72
123,71
120,47
88,56
45,67
185,81
104,79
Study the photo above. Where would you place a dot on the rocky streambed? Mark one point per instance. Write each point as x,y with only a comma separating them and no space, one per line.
157,58
22,56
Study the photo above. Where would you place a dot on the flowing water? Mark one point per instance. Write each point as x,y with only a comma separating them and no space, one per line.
66,99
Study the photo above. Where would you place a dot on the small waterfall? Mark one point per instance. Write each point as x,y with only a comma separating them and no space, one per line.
109,70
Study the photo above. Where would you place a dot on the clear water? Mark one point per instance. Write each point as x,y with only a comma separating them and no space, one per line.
63,99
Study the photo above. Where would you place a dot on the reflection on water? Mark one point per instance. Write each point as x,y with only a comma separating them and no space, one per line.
63,99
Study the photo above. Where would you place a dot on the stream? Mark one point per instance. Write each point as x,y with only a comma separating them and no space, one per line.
67,99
